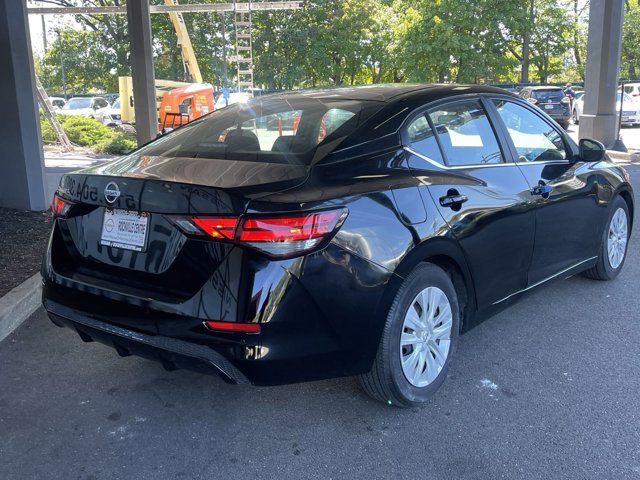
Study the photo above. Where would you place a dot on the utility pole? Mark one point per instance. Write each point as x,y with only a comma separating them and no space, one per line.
225,79
44,35
62,74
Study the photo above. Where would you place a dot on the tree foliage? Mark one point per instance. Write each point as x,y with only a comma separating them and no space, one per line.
347,42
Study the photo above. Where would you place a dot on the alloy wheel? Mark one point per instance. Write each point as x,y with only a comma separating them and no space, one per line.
426,337
617,238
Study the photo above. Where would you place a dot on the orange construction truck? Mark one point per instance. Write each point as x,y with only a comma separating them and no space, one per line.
184,104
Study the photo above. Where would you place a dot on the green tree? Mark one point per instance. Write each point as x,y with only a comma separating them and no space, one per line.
88,65
630,61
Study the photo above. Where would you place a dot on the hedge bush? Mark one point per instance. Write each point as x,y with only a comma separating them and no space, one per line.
88,132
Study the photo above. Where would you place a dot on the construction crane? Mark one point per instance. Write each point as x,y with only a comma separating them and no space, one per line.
189,61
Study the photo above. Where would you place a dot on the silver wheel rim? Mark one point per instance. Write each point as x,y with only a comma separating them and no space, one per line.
426,337
617,238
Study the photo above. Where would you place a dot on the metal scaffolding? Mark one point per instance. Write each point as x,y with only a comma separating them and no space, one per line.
244,45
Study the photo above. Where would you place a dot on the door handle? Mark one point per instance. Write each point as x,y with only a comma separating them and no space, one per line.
453,200
541,189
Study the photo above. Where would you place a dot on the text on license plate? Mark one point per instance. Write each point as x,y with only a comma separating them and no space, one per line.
124,229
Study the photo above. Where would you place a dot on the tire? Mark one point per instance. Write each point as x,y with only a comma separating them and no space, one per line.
604,270
387,381
564,124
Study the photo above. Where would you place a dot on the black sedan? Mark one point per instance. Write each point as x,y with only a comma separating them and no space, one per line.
365,249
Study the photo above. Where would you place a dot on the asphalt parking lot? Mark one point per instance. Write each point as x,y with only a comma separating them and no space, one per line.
547,389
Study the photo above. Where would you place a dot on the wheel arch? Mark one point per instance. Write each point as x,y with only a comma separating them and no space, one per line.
627,195
447,254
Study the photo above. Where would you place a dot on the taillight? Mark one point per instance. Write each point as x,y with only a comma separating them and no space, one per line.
217,227
59,207
565,100
282,235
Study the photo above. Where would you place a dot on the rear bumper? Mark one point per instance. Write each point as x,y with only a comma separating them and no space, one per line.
172,353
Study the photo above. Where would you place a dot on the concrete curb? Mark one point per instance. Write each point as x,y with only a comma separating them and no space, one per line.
623,156
17,305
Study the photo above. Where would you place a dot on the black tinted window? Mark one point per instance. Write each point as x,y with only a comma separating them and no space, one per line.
272,130
466,134
422,140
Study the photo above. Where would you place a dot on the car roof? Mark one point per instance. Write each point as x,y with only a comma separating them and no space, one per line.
388,92
545,87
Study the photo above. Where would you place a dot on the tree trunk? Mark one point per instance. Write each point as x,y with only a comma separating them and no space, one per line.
526,40
576,39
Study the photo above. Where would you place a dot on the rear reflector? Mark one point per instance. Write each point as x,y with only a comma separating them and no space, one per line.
232,326
276,235
59,207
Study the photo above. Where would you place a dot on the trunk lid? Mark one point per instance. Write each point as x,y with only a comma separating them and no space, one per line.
170,266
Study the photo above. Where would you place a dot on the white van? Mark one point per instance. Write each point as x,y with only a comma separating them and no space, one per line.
632,89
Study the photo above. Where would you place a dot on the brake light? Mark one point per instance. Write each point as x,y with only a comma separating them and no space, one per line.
276,235
232,326
217,227
565,100
59,207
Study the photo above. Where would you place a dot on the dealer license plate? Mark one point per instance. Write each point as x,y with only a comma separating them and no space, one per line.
124,229
548,107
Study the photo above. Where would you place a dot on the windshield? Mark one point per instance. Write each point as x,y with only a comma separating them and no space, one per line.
280,130
627,98
76,103
116,104
551,95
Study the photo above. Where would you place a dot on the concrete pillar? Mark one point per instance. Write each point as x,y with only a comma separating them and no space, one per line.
22,180
141,57
599,118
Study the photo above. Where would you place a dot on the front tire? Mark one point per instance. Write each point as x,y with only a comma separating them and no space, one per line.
418,340
615,239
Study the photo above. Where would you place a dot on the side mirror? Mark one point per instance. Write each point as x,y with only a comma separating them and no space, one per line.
591,150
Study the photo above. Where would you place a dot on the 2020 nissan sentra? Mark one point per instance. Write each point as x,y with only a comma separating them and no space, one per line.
361,239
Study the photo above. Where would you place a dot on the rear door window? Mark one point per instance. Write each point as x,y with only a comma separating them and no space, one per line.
466,136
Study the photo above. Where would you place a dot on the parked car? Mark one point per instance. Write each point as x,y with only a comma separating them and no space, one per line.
91,107
110,115
234,97
550,99
632,89
630,109
57,102
368,251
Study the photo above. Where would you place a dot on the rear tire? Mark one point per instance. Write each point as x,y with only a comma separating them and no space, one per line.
426,351
615,239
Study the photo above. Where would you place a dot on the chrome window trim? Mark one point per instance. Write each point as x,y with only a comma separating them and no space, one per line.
457,167
544,162
544,280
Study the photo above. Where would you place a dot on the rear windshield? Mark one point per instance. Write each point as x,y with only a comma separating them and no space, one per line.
75,103
279,129
551,95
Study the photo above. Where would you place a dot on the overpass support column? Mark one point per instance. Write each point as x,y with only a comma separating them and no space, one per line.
142,73
22,179
599,118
